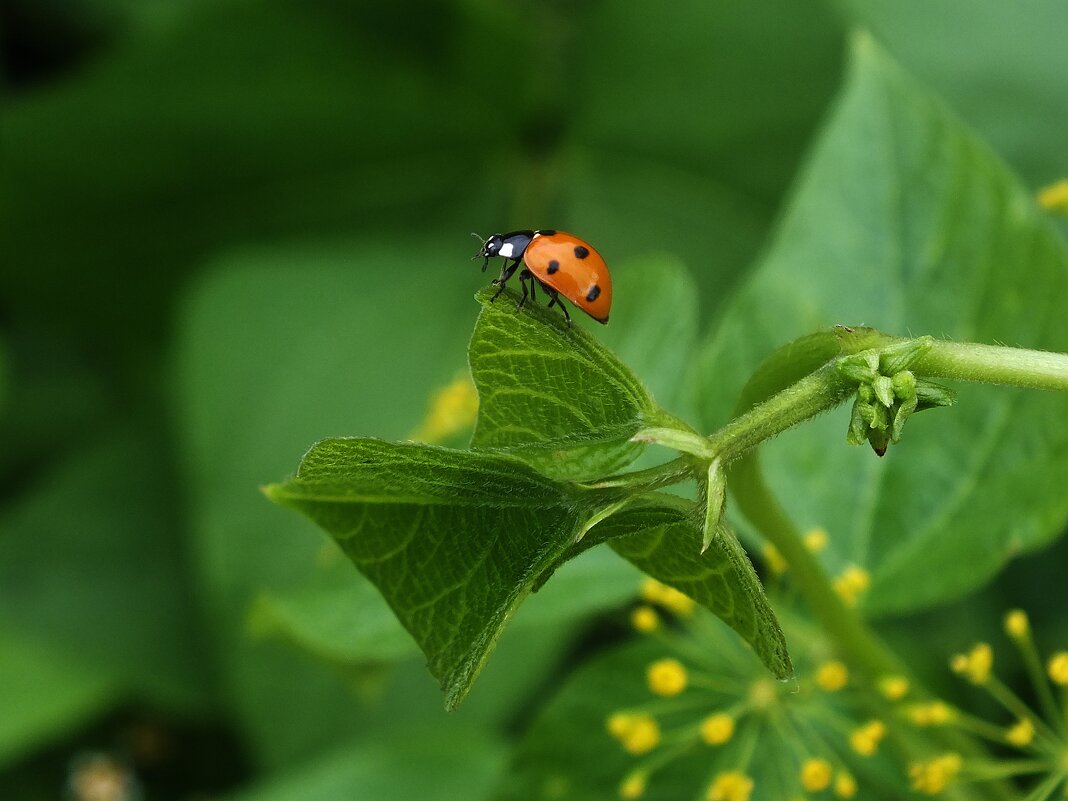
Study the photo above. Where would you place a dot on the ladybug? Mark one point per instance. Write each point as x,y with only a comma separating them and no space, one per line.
561,264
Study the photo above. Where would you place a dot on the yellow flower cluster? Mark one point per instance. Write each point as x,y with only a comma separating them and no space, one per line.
865,740
816,540
717,729
731,786
1058,668
655,592
453,409
933,713
637,733
774,559
1017,625
645,619
832,676
816,775
666,677
894,688
633,786
851,583
1055,197
1021,733
974,665
933,776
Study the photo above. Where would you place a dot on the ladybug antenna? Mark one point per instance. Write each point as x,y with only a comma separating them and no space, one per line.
481,240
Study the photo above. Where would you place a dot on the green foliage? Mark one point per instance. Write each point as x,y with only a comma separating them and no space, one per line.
454,540
883,229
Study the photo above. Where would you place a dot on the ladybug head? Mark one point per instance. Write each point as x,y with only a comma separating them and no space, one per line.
490,248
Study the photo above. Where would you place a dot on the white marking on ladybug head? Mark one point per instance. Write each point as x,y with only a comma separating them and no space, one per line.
506,250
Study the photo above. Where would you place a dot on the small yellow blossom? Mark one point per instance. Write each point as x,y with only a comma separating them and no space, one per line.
816,775
851,584
1021,733
453,409
731,786
776,562
933,713
643,735
638,733
656,592
933,776
1017,625
666,677
832,676
816,540
632,787
1058,668
865,740
1055,197
618,724
845,786
717,729
974,665
894,688
645,619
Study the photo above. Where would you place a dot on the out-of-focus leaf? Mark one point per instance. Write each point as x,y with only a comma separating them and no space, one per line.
421,764
90,564
278,349
904,221
45,691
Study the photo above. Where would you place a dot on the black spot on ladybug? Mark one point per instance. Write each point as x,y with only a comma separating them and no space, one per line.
581,253
554,265
595,291
547,232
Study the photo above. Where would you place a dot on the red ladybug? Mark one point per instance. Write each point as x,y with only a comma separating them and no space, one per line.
562,264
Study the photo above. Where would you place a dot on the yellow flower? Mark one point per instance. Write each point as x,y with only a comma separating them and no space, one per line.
717,729
666,677
832,676
974,665
933,776
656,592
1017,625
1058,668
645,619
894,688
845,786
731,786
632,787
851,584
934,713
453,409
816,540
1021,734
865,740
776,563
1055,197
638,733
643,735
816,775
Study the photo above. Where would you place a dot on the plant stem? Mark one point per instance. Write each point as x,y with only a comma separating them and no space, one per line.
817,392
993,364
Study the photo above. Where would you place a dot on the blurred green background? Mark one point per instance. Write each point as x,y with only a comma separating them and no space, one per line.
230,228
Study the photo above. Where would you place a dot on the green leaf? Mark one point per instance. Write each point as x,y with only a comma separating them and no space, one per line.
553,395
903,220
665,542
454,540
452,766
44,692
91,564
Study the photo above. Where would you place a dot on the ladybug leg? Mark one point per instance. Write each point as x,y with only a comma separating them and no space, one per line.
554,298
527,274
522,300
506,273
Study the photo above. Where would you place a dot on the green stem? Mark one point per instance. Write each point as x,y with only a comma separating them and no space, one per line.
815,393
993,364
